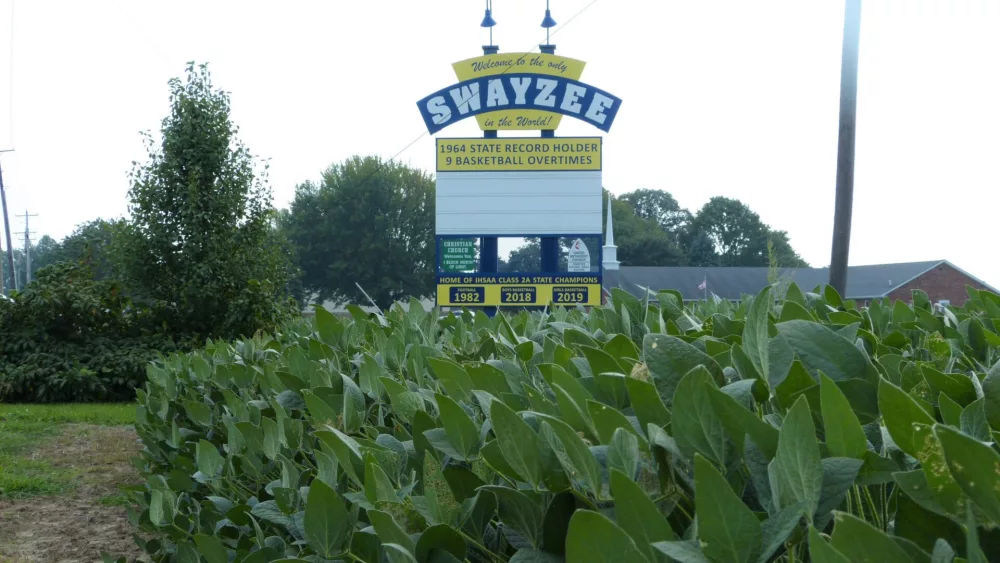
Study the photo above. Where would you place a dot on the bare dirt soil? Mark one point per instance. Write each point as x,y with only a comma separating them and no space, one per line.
76,526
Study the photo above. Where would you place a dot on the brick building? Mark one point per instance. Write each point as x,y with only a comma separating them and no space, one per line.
943,282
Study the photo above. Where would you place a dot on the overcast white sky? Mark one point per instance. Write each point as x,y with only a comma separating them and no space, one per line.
732,98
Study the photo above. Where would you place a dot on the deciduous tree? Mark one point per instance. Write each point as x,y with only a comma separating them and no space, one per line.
641,242
199,236
739,236
661,207
368,222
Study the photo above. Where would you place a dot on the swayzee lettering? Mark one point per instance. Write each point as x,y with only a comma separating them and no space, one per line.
523,91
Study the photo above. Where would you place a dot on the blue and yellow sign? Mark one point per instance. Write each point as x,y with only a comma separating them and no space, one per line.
519,154
519,91
502,290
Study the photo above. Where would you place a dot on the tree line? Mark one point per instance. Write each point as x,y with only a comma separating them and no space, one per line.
363,230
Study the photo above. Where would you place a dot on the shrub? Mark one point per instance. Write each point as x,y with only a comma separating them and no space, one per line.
800,429
68,337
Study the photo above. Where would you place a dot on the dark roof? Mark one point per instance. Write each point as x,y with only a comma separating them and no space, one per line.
863,282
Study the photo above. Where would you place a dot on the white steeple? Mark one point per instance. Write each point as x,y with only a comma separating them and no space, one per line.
610,251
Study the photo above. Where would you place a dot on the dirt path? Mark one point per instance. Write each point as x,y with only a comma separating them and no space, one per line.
74,527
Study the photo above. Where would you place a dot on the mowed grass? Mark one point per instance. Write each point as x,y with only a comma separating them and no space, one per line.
25,427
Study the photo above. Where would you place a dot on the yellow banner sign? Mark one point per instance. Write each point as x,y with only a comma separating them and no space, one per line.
512,290
519,154
537,295
518,63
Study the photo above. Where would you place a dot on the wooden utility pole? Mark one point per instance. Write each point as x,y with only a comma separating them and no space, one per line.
845,147
6,226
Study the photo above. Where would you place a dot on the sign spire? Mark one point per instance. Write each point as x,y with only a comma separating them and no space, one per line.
610,251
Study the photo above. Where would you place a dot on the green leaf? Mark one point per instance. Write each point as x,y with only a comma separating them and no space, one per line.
900,411
440,537
694,422
272,438
493,456
328,326
669,359
378,486
975,466
972,548
682,551
406,403
461,430
822,552
930,453
369,373
951,412
533,556
943,552
623,452
347,450
454,378
839,475
320,411
844,436
572,453
638,515
973,421
646,402
398,554
592,538
186,553
729,531
556,523
487,377
744,366
791,311
327,521
822,350
441,505
860,542
991,392
354,406
521,510
957,386
211,549
776,529
518,442
198,412
571,396
607,420
600,361
755,332
389,531
161,508
739,422
922,526
208,458
796,472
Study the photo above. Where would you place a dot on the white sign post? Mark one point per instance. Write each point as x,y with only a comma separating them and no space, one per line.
579,257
